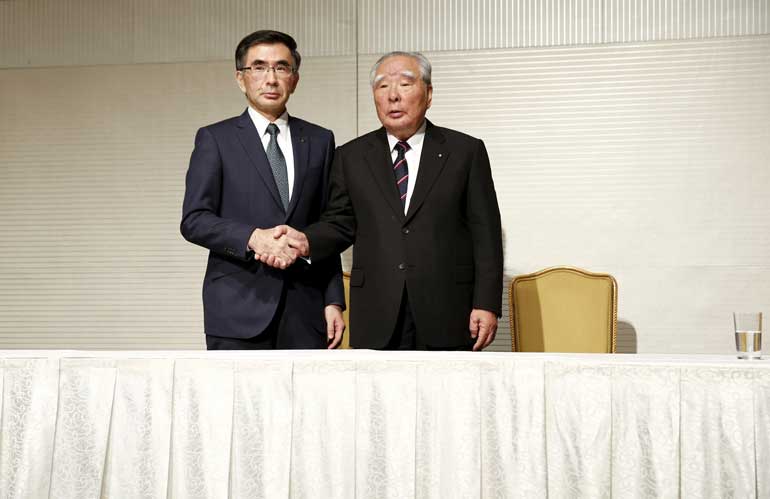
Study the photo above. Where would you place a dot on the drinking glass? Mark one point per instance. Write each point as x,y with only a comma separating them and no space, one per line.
748,334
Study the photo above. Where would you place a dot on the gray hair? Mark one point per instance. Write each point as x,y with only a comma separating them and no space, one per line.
422,61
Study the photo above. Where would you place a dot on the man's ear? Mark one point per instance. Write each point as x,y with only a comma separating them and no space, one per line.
295,78
239,80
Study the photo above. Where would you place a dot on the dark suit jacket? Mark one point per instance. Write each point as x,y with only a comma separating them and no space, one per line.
230,191
447,250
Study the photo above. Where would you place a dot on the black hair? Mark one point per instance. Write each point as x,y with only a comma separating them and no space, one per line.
266,36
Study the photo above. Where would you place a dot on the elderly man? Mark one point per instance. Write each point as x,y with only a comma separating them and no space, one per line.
248,174
419,202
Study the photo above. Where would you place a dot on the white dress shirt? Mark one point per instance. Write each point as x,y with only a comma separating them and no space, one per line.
283,138
412,158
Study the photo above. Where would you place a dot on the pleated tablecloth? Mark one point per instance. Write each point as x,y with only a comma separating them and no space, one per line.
364,424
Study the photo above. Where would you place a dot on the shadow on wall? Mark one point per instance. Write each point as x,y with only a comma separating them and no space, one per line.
626,341
502,342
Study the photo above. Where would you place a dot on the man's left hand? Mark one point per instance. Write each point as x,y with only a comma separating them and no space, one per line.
335,325
483,327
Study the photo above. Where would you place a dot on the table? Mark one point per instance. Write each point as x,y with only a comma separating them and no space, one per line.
364,424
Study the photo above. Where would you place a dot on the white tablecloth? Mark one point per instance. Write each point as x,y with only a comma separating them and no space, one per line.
368,424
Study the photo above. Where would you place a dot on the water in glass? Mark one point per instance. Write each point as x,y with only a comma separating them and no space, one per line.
748,344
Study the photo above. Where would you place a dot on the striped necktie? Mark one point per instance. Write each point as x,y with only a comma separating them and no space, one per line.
401,170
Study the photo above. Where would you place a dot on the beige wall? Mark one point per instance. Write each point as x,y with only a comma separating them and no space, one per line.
630,137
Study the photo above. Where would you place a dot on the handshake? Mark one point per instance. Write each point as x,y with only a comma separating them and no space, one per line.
278,247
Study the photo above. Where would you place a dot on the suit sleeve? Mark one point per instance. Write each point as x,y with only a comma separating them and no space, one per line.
336,230
335,291
201,223
486,232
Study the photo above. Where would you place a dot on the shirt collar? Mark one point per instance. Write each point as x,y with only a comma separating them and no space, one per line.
261,122
415,141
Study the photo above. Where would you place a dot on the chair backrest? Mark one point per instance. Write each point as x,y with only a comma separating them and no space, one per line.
564,309
346,314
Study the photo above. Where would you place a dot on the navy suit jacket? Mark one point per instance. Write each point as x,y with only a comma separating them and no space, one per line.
230,191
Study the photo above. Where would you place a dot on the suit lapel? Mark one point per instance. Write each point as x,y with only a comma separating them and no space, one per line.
300,144
432,160
378,159
252,143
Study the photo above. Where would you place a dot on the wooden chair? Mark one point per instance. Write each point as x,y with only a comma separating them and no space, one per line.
564,309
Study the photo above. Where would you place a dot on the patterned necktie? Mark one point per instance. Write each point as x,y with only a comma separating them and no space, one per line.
278,165
401,170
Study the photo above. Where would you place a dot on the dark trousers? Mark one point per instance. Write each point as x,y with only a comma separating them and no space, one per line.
286,331
406,337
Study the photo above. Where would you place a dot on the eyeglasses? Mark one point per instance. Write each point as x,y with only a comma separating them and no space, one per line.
261,70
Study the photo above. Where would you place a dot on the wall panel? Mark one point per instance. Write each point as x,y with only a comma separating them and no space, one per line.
437,25
86,32
66,32
646,20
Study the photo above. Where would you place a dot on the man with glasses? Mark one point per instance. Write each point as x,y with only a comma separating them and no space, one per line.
250,173
419,202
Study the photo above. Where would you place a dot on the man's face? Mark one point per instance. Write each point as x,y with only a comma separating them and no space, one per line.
267,93
400,96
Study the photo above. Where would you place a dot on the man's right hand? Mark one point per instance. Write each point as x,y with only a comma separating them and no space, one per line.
270,250
296,239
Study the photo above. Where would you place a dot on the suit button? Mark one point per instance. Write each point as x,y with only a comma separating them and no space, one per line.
405,230
401,266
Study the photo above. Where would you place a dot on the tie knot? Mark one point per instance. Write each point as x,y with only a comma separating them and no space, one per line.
402,146
272,129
